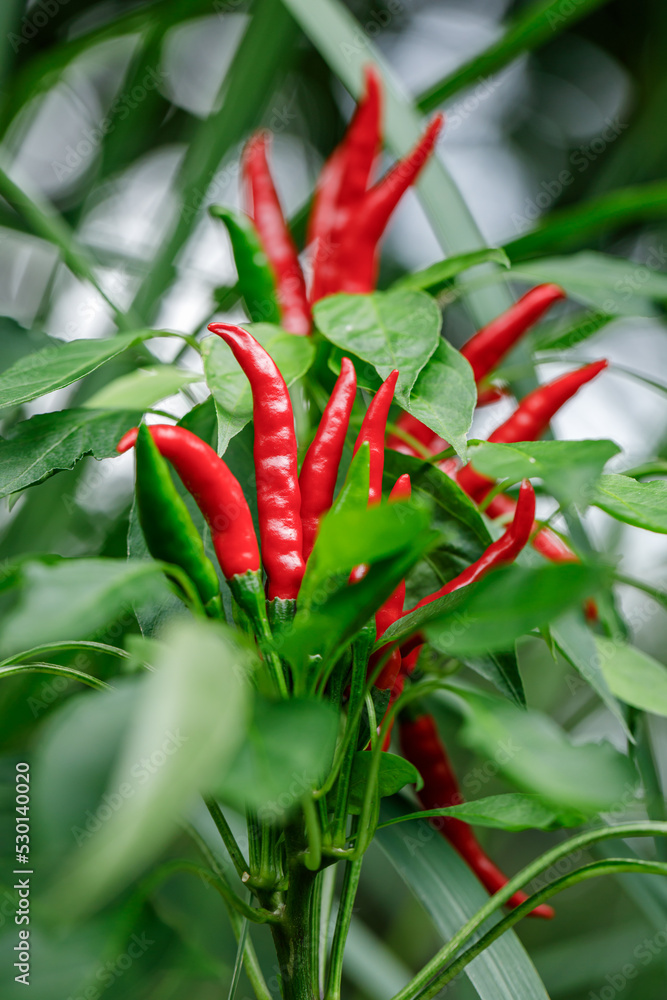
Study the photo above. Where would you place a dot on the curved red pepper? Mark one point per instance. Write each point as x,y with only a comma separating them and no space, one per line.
278,494
217,492
530,420
276,239
490,344
421,745
373,430
319,470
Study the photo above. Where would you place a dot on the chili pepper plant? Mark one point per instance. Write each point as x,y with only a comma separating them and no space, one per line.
333,581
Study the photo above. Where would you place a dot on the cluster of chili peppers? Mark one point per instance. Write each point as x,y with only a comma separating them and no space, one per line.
348,218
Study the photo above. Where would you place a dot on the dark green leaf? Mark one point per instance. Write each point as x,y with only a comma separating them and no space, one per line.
287,751
50,442
229,385
569,332
60,365
395,773
444,396
641,504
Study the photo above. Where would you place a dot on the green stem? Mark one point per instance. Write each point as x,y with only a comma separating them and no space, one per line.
53,668
343,920
357,687
228,839
293,936
313,857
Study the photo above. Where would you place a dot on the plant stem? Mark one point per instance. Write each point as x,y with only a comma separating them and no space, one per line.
228,838
348,896
293,936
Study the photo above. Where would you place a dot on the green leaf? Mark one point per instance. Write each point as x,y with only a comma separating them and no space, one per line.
493,613
187,724
51,442
451,894
256,282
512,811
633,676
568,333
396,329
445,396
569,469
502,670
353,495
395,773
533,25
55,367
434,278
229,385
287,752
76,598
140,389
535,755
641,504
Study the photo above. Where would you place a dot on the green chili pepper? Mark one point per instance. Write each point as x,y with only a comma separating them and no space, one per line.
256,283
166,523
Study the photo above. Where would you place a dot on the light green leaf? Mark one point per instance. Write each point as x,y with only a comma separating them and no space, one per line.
287,751
229,385
633,676
142,388
641,504
537,756
434,278
395,773
569,469
513,811
451,894
55,367
187,724
76,598
445,396
51,442
568,333
396,329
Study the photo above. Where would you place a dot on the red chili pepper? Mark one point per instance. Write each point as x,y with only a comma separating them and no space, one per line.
342,185
373,430
319,470
392,609
216,491
421,745
491,394
530,420
276,239
490,344
278,494
358,251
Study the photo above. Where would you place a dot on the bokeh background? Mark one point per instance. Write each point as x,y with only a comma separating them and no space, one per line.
109,110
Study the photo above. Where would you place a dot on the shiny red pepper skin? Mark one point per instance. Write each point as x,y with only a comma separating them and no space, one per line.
392,609
319,470
490,344
342,186
373,430
530,420
276,239
421,745
358,250
278,494
216,491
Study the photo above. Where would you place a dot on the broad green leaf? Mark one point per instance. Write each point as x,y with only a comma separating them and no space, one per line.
55,367
641,504
396,329
444,396
533,25
434,278
576,642
187,724
493,613
569,333
569,469
229,385
609,285
287,751
142,388
634,676
502,670
76,598
513,811
395,773
451,894
535,755
51,442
